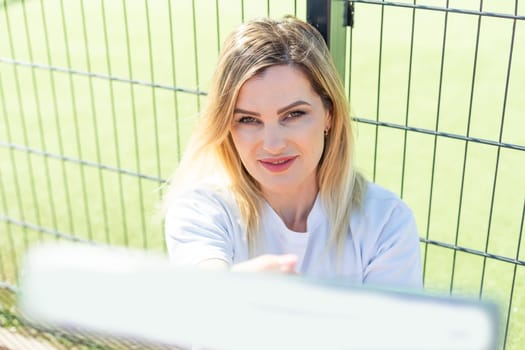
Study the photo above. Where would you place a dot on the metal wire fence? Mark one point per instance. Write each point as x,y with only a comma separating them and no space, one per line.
464,64
98,98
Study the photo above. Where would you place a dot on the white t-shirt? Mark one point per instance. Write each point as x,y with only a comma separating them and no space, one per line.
382,246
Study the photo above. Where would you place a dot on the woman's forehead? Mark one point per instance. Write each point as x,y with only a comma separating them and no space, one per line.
276,83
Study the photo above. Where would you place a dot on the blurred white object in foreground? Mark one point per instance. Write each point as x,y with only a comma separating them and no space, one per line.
138,295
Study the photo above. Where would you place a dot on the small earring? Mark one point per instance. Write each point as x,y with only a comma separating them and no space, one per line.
325,132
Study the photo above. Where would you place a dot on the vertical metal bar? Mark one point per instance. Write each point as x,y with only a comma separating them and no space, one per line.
23,116
440,90
10,241
407,111
38,111
3,269
469,118
337,36
328,17
218,27
295,7
317,14
116,141
242,11
17,185
196,53
350,66
134,114
498,152
3,275
94,120
155,122
174,75
509,311
153,94
57,122
73,97
378,101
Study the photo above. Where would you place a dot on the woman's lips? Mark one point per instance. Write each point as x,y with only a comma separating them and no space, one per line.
277,165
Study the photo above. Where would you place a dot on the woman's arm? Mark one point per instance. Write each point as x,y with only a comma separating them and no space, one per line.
200,231
264,263
396,260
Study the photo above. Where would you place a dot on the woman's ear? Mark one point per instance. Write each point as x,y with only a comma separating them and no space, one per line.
327,122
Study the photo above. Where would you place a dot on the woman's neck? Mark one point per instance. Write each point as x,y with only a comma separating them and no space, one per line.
293,207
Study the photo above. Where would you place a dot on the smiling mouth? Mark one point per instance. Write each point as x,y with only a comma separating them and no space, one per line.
277,165
279,161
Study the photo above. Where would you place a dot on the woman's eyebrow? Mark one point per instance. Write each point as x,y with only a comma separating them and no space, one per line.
291,105
279,111
243,111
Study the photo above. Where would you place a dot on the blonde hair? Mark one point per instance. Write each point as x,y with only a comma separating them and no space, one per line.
250,49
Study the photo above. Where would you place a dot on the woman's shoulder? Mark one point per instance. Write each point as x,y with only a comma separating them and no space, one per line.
380,205
204,194
383,221
377,197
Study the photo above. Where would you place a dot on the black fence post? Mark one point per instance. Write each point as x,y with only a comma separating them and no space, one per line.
331,17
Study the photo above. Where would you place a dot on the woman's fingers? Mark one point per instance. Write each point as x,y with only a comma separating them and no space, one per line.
287,263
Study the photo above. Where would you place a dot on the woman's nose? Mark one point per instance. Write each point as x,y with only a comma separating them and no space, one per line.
274,139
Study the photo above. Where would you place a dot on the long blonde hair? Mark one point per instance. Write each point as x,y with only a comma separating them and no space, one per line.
251,48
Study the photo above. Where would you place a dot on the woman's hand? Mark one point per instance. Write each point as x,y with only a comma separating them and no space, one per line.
269,263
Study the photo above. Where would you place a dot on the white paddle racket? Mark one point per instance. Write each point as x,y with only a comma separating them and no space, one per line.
139,295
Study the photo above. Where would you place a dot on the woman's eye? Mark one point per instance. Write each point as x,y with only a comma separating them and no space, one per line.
247,120
295,114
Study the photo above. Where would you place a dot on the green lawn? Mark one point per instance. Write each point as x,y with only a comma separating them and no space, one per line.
470,194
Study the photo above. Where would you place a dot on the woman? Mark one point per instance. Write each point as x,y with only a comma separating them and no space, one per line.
268,182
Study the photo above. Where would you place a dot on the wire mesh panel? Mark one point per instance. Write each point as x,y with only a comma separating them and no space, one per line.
438,89
97,102
97,99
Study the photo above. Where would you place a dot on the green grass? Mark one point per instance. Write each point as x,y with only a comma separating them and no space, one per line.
144,129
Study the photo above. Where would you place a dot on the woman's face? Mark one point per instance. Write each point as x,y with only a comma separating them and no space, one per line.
278,129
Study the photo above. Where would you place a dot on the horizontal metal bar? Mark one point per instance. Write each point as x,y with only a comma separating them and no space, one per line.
202,93
473,251
71,237
440,133
98,75
48,231
78,161
442,9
